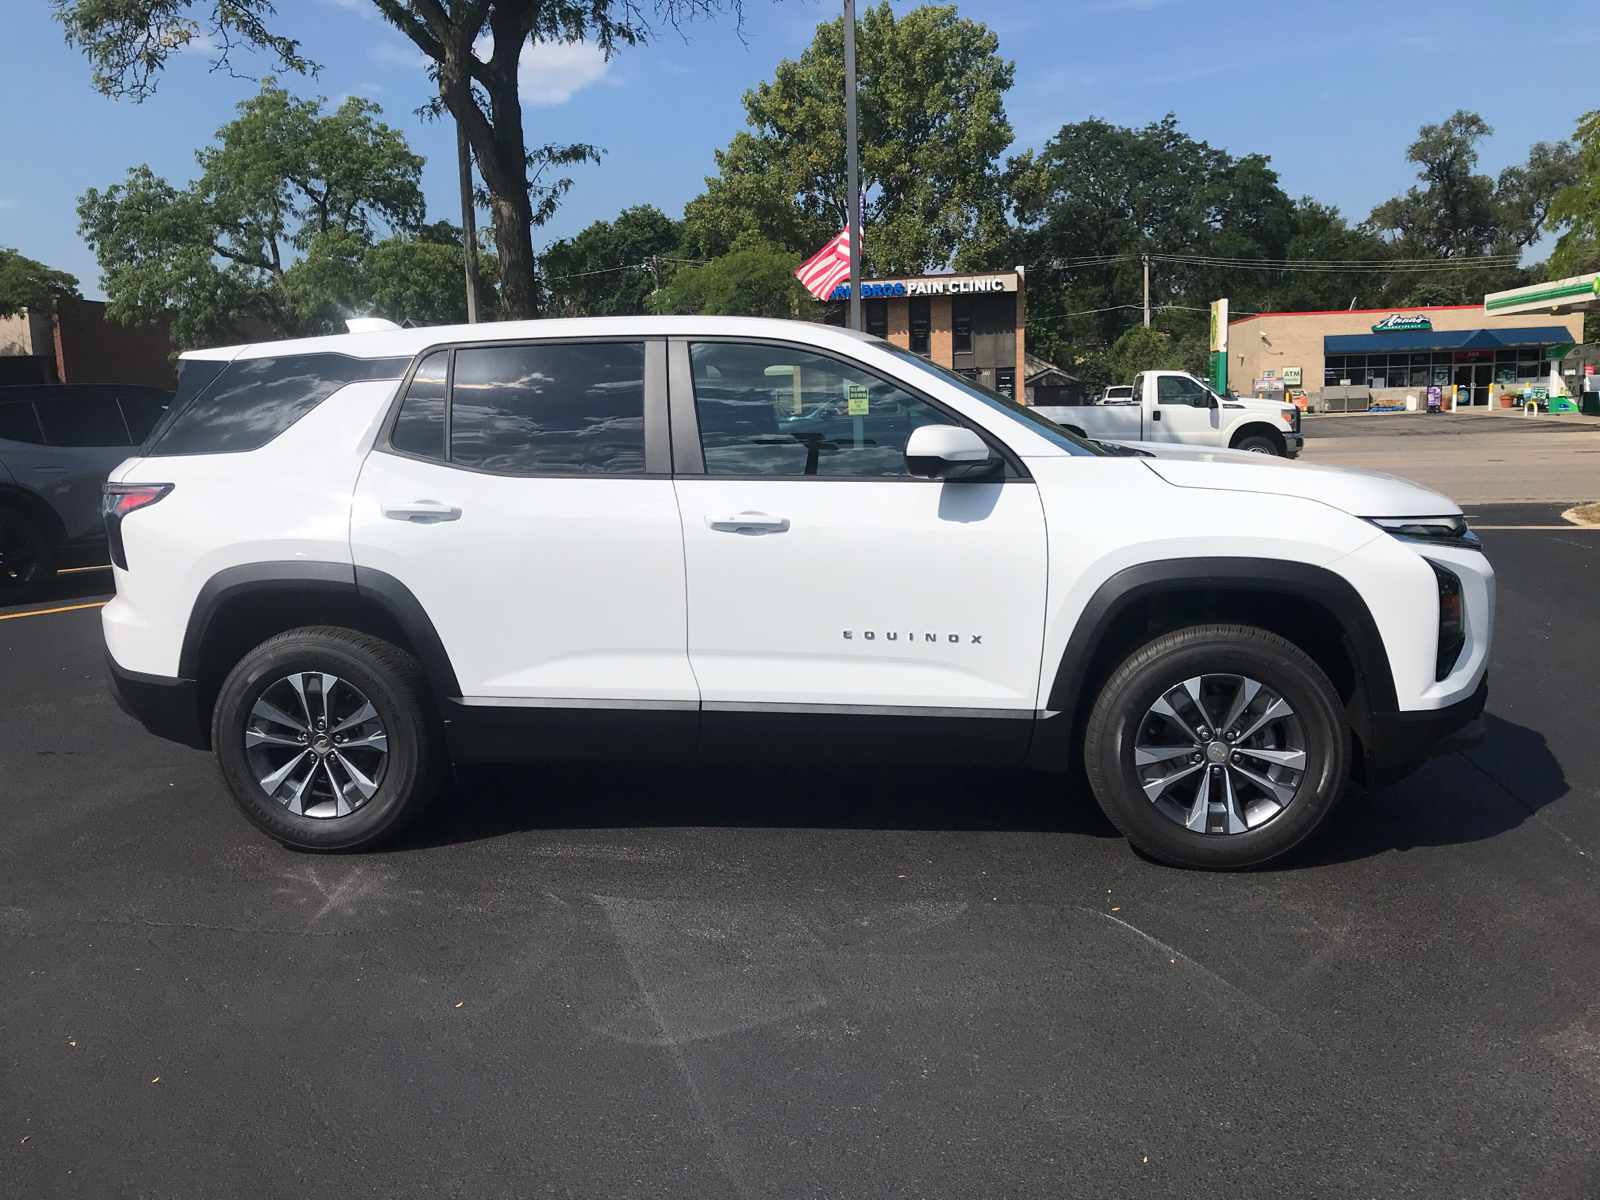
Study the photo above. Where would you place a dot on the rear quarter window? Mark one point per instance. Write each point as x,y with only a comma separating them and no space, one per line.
251,401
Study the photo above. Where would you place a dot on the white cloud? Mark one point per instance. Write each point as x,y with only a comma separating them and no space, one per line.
7,202
405,55
550,72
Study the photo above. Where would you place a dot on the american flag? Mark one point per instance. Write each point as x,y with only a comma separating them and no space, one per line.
828,267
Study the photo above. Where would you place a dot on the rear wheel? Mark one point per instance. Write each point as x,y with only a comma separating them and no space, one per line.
327,739
1218,746
27,559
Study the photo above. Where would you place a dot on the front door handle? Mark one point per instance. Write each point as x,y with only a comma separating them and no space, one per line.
423,512
748,522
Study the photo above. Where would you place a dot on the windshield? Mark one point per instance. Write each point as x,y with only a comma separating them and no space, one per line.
1020,413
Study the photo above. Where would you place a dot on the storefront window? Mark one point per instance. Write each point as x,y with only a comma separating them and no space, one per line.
875,314
921,319
961,325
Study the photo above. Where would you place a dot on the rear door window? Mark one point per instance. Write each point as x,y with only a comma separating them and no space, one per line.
18,424
553,409
82,422
253,400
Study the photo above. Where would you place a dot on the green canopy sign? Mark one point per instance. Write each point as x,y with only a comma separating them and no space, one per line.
1396,323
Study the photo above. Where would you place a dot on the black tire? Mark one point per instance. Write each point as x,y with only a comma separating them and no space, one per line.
1259,443
27,557
1221,652
411,772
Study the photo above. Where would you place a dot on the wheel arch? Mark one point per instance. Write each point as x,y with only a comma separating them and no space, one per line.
36,508
1259,429
239,608
1314,608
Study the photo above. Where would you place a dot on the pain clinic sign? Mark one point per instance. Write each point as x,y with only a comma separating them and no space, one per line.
1219,345
930,286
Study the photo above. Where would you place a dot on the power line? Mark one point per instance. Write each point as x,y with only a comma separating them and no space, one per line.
1304,265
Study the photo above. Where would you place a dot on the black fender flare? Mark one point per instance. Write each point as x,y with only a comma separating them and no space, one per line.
330,578
1375,691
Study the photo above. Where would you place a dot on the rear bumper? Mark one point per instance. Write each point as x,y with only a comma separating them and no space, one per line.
1402,742
168,708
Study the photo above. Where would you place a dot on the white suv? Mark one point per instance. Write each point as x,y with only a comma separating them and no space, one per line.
344,562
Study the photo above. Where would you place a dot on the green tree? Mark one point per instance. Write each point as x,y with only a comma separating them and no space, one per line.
1575,211
611,268
1101,196
1143,349
25,283
277,226
129,41
755,279
1459,215
932,128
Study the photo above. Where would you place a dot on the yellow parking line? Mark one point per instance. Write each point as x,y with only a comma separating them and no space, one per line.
40,612
1536,526
75,570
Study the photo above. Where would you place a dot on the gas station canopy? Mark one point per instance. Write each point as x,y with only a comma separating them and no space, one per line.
1579,293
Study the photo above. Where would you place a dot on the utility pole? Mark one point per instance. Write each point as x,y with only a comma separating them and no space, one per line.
469,224
1146,259
852,161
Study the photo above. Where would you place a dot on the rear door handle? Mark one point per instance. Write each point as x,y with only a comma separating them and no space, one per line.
423,512
748,522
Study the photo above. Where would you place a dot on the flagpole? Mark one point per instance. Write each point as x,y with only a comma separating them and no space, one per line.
852,164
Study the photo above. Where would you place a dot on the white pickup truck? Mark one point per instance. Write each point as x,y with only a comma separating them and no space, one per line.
1174,406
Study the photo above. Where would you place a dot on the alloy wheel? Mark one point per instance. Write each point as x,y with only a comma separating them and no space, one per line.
316,745
1220,754
21,557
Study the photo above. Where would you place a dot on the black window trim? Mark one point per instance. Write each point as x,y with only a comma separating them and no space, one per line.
687,417
657,453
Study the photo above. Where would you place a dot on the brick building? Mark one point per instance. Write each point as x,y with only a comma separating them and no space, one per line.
74,343
970,323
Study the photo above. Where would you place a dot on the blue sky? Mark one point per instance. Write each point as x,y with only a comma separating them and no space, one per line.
1331,92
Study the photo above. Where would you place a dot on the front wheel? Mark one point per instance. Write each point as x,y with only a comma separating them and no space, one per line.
327,739
1219,746
1258,443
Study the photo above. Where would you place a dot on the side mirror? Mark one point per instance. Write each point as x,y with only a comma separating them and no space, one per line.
951,453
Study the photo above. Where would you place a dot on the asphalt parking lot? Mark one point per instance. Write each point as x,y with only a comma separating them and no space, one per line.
602,981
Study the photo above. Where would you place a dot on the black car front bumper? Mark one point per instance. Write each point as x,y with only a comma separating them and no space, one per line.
167,707
1399,743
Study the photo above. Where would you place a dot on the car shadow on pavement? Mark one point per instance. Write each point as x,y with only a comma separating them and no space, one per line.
1454,800
1458,799
491,800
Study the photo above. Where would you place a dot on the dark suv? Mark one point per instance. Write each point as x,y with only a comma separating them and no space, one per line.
57,444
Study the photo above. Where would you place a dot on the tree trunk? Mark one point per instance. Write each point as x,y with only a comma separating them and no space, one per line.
507,181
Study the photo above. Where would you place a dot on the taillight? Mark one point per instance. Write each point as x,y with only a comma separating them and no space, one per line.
117,501
1452,621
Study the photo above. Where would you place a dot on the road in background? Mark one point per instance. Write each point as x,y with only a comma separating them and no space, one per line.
1474,458
602,980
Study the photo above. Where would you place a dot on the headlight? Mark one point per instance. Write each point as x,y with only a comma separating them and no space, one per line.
1433,531
1292,415
1452,621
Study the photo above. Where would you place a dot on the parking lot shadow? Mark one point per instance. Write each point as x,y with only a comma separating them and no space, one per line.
1453,800
491,800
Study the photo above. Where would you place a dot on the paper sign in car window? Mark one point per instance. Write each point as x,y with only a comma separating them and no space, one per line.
856,393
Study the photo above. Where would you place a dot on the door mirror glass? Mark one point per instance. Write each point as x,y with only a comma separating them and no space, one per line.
949,452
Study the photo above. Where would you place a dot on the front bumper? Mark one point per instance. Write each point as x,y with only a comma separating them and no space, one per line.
1399,743
168,708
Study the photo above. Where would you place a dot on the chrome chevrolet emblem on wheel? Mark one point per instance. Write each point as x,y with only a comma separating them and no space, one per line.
1220,754
316,745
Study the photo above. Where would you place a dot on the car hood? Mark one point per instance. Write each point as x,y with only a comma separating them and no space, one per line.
1360,493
